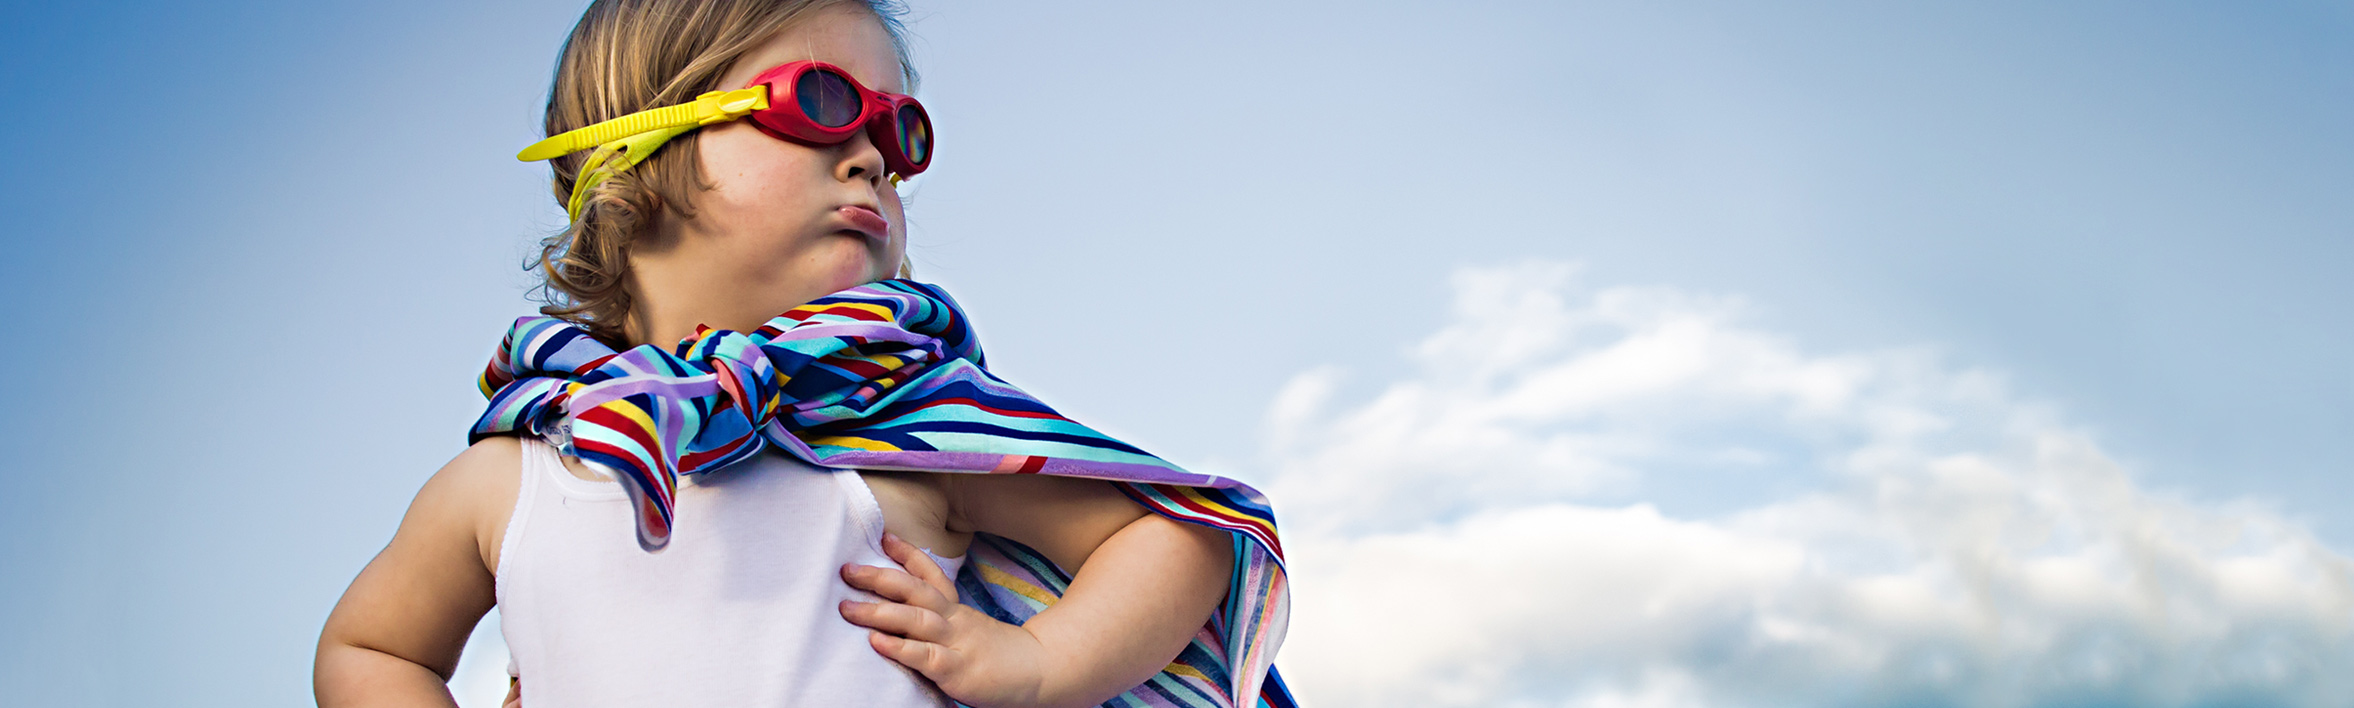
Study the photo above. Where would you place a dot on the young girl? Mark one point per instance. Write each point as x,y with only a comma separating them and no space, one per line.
724,162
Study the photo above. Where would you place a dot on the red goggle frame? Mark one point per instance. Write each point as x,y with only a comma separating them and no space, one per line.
816,103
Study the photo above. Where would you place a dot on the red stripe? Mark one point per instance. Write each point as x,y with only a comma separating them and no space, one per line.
1039,415
967,402
864,368
594,363
657,525
1180,500
603,417
635,472
857,313
1032,465
728,382
696,460
1250,525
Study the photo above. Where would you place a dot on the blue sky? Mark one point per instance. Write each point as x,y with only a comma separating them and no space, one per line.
2117,229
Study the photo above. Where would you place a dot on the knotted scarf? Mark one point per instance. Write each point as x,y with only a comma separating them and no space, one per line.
883,376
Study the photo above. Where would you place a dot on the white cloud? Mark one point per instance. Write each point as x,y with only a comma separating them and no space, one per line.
1948,543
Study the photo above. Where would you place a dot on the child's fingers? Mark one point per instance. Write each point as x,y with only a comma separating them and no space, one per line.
897,585
920,564
932,660
904,620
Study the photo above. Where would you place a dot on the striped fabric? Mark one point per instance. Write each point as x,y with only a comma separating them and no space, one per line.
1012,583
884,376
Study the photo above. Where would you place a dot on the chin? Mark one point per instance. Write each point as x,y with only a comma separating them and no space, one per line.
851,275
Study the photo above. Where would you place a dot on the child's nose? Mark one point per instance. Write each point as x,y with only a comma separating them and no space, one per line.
859,160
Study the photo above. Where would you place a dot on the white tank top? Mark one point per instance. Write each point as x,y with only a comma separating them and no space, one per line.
740,610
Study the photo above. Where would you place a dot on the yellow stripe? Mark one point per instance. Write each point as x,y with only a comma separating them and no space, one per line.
878,310
635,414
858,443
1186,671
1205,501
1020,587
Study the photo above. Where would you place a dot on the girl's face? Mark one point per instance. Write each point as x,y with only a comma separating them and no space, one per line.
784,223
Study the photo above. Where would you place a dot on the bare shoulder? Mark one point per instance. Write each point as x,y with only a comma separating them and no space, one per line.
419,597
1062,517
497,457
477,490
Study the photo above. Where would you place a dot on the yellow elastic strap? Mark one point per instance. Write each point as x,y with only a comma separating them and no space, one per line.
612,158
627,140
709,108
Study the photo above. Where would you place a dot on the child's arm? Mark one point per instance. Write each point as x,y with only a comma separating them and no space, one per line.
1144,586
394,638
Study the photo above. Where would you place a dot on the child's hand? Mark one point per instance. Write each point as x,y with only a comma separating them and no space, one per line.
974,659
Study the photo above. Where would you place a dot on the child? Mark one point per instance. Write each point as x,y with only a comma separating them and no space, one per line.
785,128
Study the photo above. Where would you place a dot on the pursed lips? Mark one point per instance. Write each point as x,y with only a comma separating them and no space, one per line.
864,219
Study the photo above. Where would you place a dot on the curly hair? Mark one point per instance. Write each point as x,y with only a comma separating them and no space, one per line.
627,56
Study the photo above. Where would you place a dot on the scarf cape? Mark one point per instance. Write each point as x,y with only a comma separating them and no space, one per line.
883,376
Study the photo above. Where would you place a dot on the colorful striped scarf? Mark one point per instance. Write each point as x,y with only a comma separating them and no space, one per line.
884,376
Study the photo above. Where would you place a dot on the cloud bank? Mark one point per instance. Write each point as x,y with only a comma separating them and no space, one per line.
1905,532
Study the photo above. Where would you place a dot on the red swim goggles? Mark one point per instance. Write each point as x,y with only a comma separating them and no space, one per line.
807,102
822,105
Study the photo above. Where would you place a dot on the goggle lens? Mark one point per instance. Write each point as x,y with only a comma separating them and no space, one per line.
915,135
827,98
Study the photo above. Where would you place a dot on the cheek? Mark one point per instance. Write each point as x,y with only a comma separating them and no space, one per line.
897,213
756,178
760,192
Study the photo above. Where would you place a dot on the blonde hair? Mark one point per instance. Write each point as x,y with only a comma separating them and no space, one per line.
627,56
